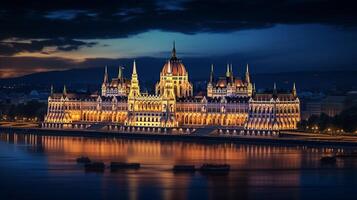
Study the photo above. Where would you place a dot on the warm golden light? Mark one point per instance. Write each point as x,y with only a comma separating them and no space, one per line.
230,102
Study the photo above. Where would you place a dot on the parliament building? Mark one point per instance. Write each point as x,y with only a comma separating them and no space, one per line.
230,102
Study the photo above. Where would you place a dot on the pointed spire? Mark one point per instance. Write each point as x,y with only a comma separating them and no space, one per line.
231,73
134,86
211,78
275,92
227,72
294,90
247,76
120,73
64,90
105,80
52,91
173,53
134,67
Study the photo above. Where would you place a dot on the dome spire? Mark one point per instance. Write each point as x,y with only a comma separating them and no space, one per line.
173,54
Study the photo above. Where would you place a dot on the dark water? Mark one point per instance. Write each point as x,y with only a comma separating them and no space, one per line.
43,167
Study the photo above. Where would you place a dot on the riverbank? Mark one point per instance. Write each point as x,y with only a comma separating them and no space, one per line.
285,138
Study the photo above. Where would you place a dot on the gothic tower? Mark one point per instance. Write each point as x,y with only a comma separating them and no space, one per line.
248,82
169,98
105,83
134,86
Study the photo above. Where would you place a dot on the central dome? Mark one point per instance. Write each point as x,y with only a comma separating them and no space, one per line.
177,68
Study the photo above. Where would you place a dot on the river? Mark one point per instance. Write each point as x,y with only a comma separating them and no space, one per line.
43,167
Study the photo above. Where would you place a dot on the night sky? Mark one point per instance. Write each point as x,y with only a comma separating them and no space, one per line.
272,36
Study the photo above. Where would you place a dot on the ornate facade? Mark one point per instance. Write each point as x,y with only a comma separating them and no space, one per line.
230,102
229,85
181,84
119,86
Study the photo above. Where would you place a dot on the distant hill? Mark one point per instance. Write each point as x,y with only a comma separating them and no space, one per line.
149,72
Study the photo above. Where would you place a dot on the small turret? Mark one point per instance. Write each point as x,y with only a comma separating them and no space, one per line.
120,73
105,80
228,72
275,92
294,93
231,76
64,90
211,78
247,76
52,90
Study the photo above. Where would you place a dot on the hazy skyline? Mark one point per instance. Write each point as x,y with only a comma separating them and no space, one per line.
273,36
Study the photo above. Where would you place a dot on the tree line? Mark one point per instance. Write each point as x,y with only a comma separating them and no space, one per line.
30,110
346,121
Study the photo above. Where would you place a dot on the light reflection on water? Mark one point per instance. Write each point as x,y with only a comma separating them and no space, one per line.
44,167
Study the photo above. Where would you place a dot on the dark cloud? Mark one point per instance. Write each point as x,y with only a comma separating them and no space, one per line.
15,46
95,19
31,26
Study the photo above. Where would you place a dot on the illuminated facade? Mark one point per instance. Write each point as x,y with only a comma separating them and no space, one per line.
229,85
175,69
230,103
119,86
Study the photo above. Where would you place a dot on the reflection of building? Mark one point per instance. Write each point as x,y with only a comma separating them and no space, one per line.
231,102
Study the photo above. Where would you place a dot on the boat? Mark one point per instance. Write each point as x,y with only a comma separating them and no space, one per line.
83,160
184,168
95,166
215,168
114,166
328,160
